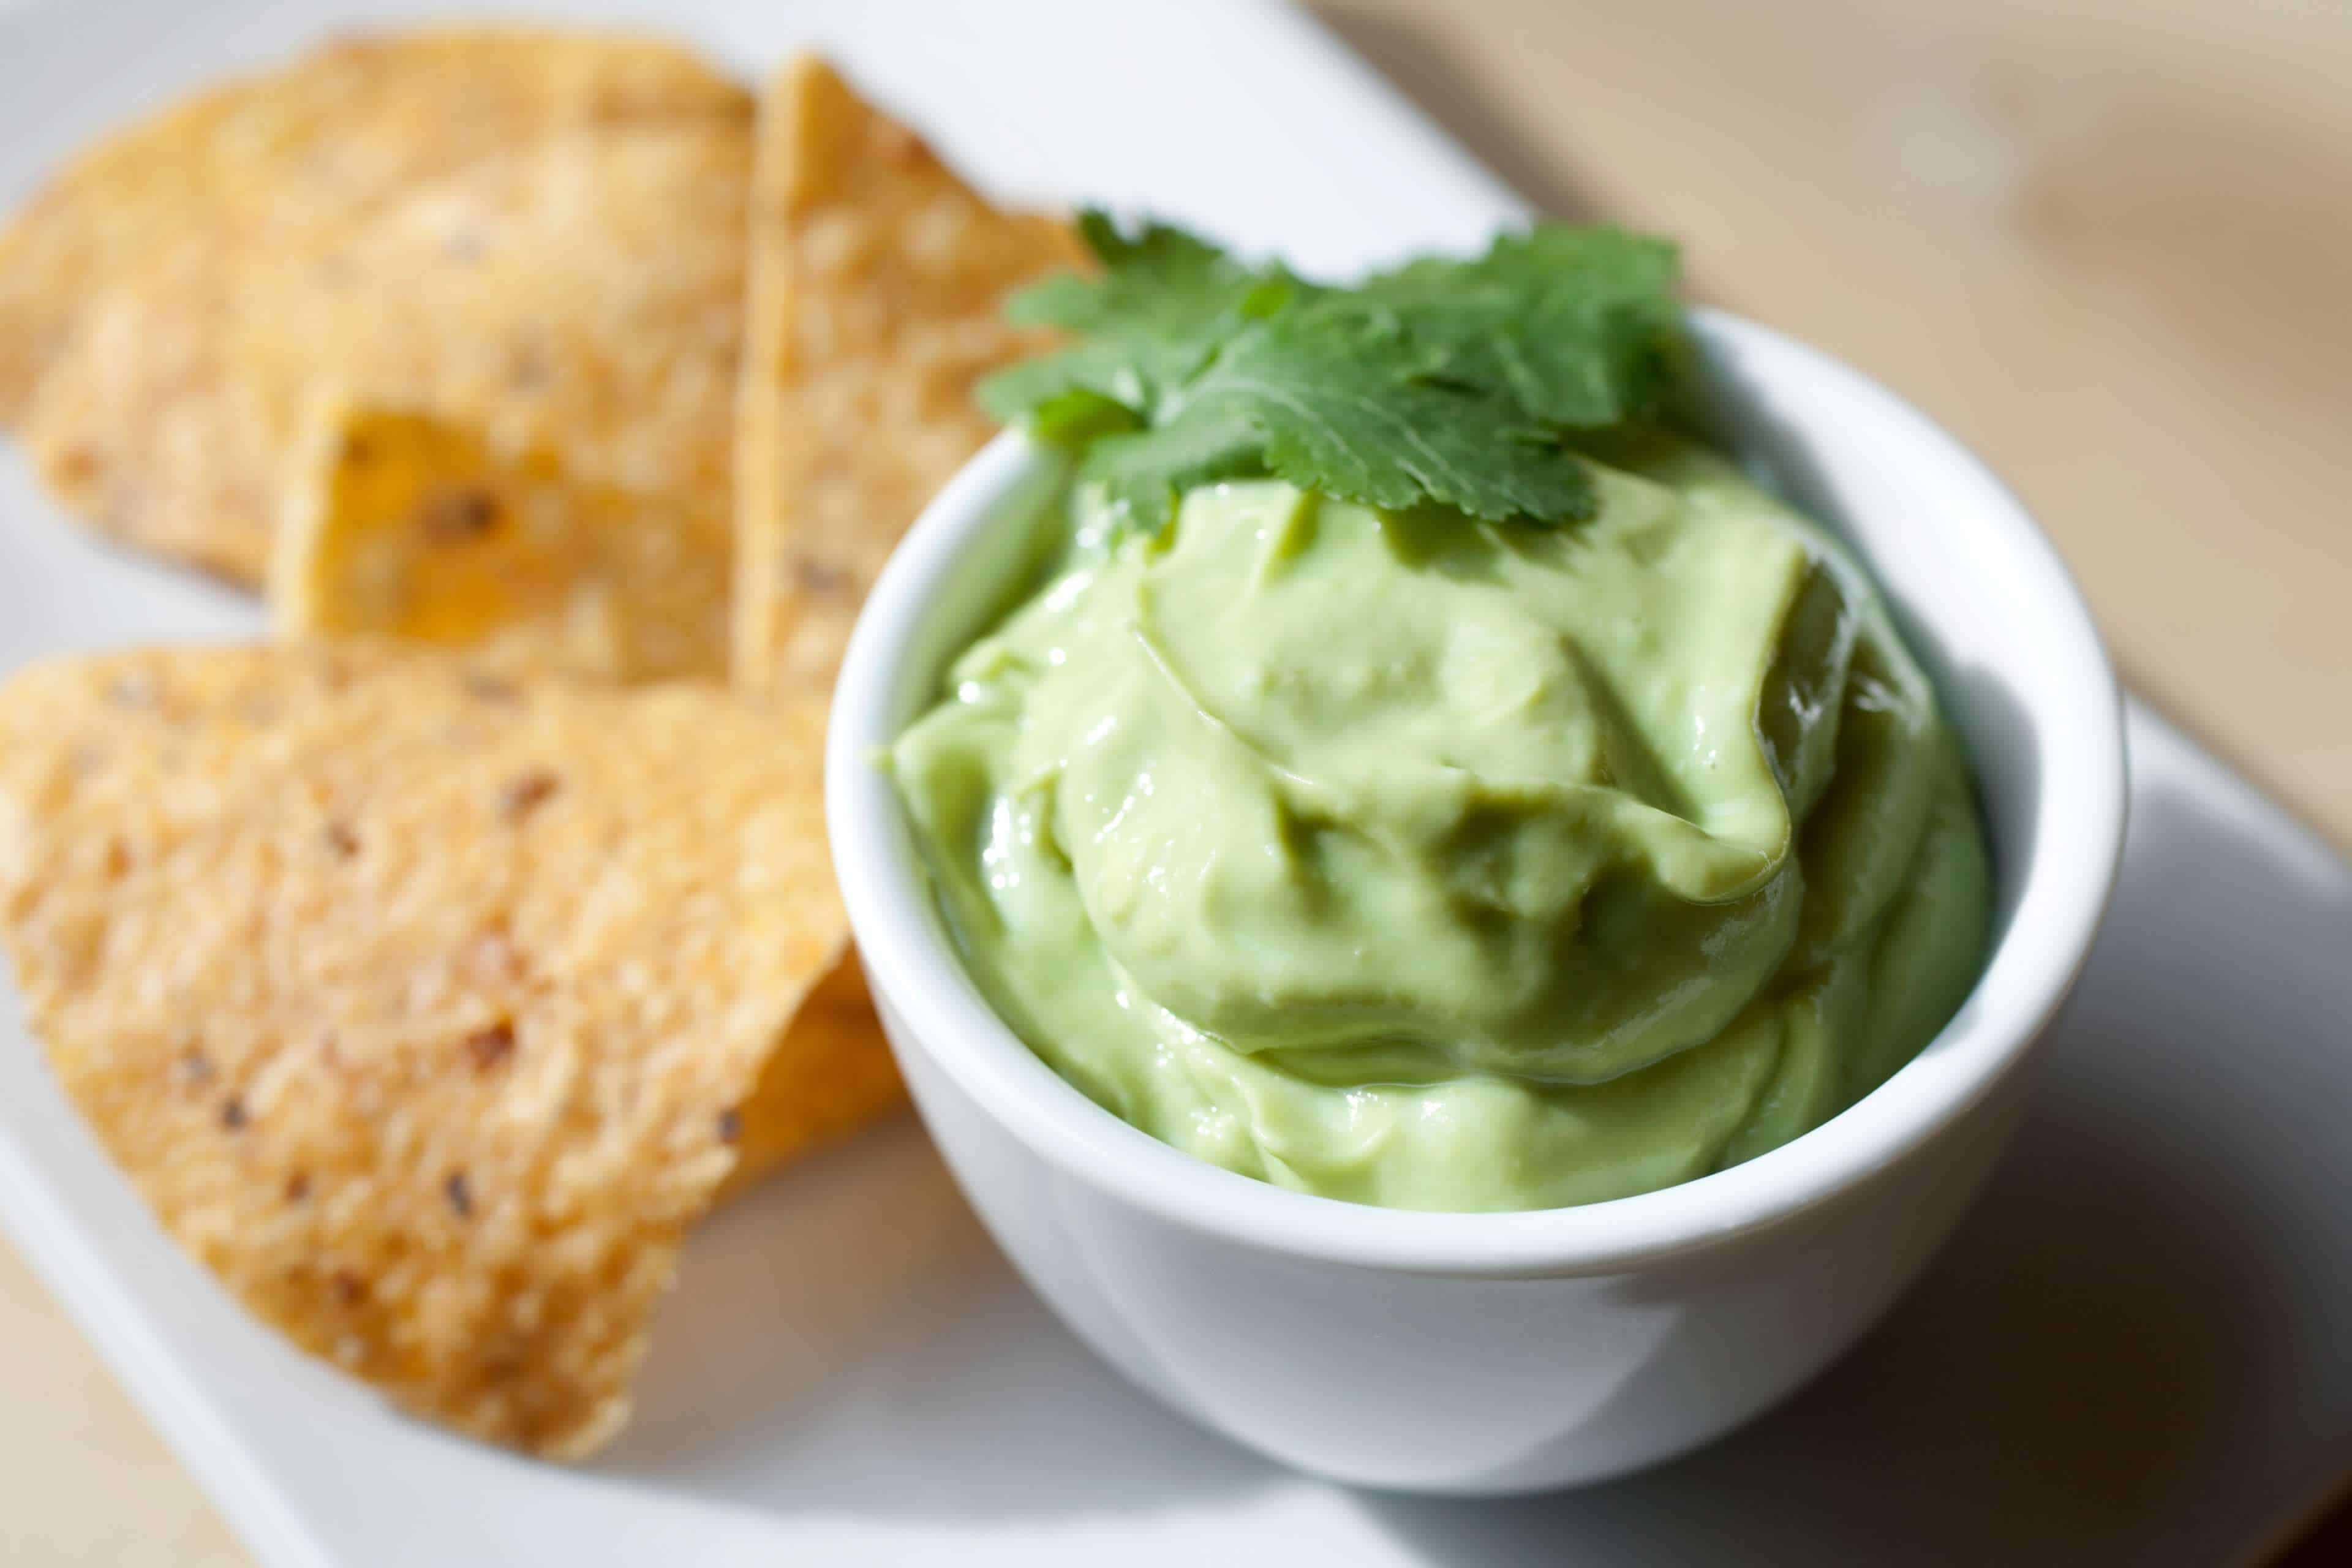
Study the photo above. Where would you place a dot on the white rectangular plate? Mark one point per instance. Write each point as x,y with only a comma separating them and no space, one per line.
2134,1351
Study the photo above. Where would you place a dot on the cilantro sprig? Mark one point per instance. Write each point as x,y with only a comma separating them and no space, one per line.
1466,383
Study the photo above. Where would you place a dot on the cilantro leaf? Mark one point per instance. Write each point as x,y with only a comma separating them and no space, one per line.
1580,325
1163,301
1159,276
1145,473
1339,397
1466,383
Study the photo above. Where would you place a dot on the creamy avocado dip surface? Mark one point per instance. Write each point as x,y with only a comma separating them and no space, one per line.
1424,777
1440,864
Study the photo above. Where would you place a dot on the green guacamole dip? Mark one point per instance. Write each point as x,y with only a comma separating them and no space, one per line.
1446,865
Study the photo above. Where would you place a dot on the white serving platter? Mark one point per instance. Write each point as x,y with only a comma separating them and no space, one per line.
2138,1349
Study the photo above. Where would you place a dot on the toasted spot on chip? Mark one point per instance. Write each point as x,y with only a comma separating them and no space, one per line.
490,1047
126,285
402,524
877,279
441,1111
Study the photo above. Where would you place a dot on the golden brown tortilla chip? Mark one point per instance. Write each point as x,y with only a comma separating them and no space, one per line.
136,293
877,279
426,1008
400,525
258,165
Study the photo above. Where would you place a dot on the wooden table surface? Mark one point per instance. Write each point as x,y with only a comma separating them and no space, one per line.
2106,241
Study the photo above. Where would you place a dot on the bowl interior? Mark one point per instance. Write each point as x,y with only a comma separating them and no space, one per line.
1979,594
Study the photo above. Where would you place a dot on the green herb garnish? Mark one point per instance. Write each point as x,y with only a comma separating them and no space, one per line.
1462,384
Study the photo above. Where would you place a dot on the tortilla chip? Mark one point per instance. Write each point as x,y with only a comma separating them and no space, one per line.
130,292
877,279
403,525
428,1009
256,165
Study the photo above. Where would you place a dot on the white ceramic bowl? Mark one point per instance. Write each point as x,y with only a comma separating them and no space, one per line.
1514,1351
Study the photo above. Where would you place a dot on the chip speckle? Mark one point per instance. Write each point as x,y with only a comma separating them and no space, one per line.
457,515
131,691
821,580
489,1047
526,793
487,687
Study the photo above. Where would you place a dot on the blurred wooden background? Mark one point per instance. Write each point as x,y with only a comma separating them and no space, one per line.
2107,241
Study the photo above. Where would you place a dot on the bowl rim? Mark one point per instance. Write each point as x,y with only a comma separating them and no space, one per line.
916,974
